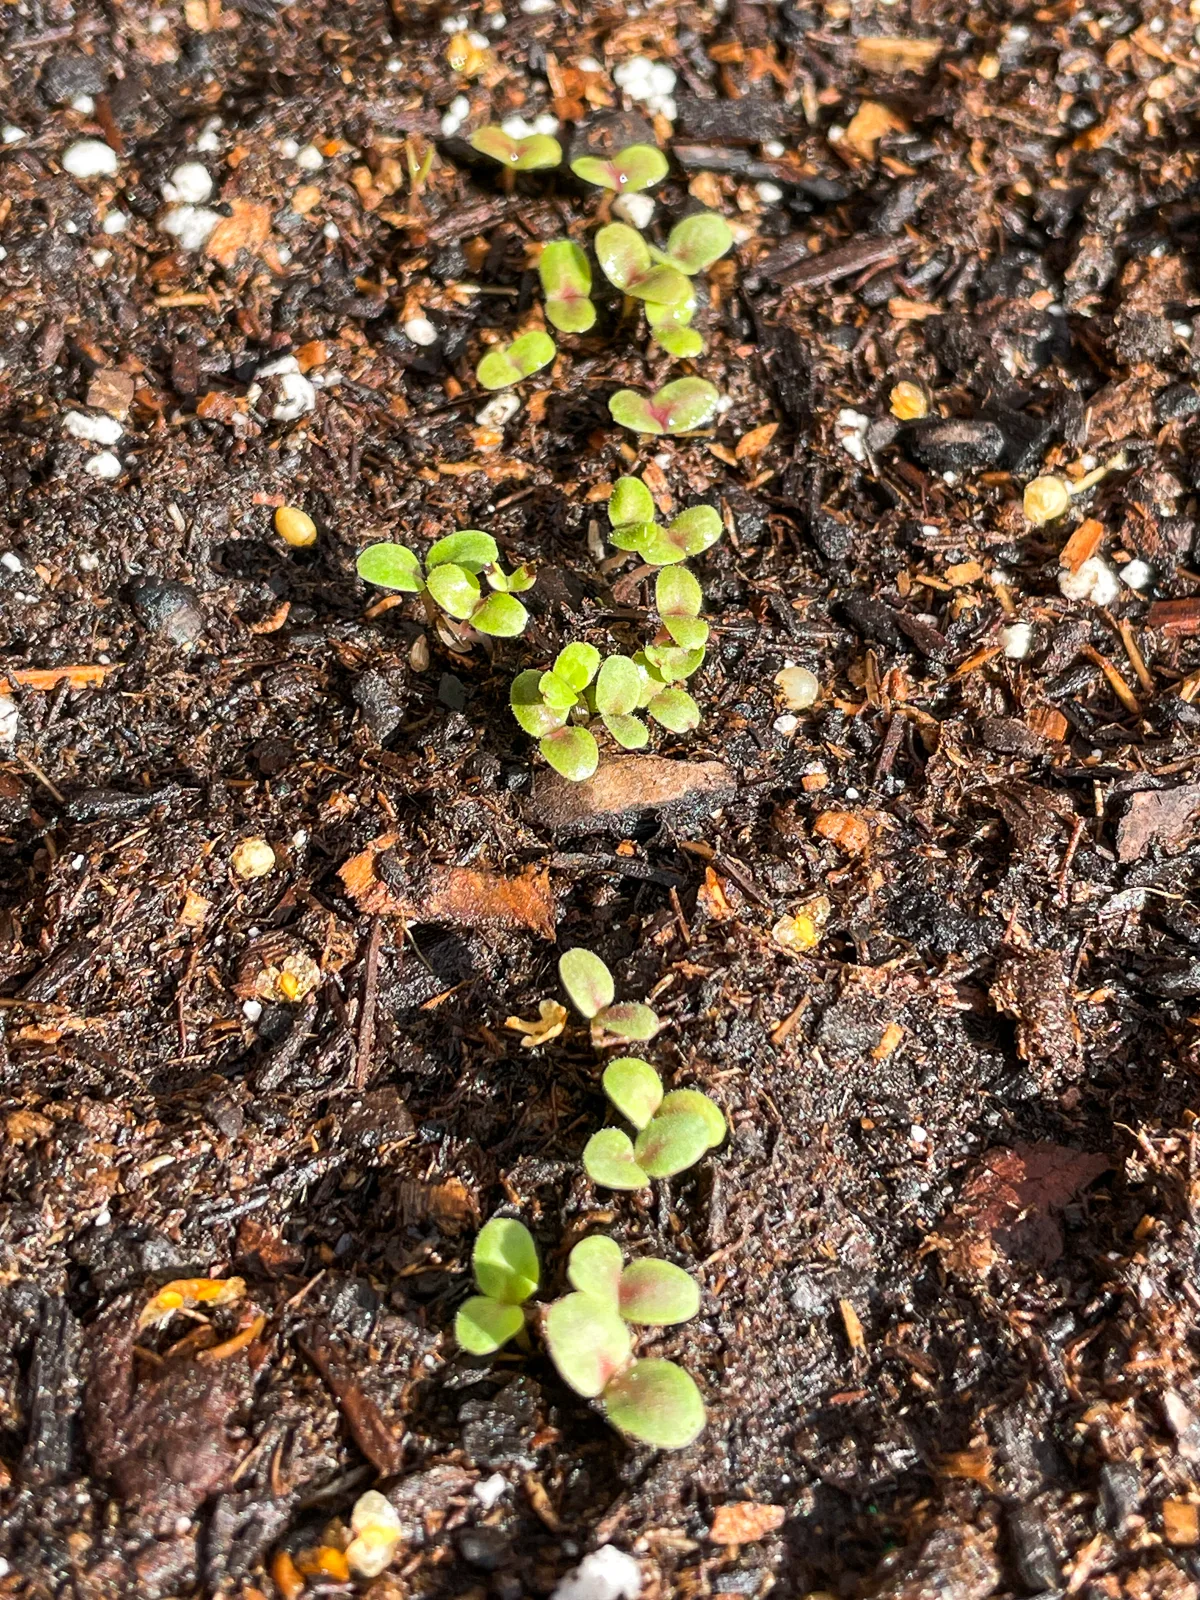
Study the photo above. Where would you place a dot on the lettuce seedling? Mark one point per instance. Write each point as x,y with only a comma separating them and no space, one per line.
625,260
677,407
518,155
589,1342
509,363
637,167
451,578
567,283
544,703
505,1262
656,1403
591,990
648,1291
631,512
674,1130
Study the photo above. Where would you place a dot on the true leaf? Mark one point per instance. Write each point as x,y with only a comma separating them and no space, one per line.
634,1088
588,982
657,1403
656,1292
617,687
628,1020
696,242
455,590
594,1267
588,1342
508,364
671,664
558,694
391,566
675,408
696,1104
631,501
633,169
608,1160
577,665
468,548
501,615
572,752
529,707
671,1144
483,1324
505,1261
675,709
631,733
522,155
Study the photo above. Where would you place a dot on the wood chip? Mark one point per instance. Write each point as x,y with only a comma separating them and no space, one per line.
882,53
466,896
248,227
751,445
744,1521
852,1323
1179,618
1181,1522
869,124
1082,545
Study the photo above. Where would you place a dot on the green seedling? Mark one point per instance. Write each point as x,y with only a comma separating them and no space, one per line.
631,514
656,1403
518,155
505,1262
637,167
677,407
588,1340
591,990
673,1131
696,242
671,327
649,1291
544,703
509,363
679,597
567,283
451,577
626,262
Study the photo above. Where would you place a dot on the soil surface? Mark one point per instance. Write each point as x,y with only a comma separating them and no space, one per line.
949,1334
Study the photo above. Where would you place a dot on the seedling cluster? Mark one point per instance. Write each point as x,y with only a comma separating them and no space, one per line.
588,1333
451,577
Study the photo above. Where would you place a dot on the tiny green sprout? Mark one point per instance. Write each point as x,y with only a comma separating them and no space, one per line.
696,242
677,407
637,167
567,283
588,1340
656,1403
590,988
545,702
682,343
674,1131
508,364
633,527
625,260
506,1267
451,578
649,1291
671,327
518,155
679,597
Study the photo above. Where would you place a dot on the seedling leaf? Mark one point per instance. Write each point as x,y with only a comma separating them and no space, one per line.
588,1342
678,593
572,752
484,1324
631,501
455,590
628,1020
468,548
623,255
391,566
505,1261
677,407
588,982
594,1267
698,241
671,664
501,615
677,315
637,167
522,155
634,1088
654,1291
663,285
566,283
608,1160
695,529
617,687
675,709
634,535
682,343
530,709
671,1144
631,733
696,1104
508,364
577,665
657,1403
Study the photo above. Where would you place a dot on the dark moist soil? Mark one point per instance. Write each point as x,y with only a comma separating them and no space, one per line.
948,1254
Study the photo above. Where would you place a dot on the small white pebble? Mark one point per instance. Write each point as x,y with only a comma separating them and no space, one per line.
420,330
11,134
514,127
769,193
635,209
1137,574
89,158
489,1491
278,367
10,562
535,8
331,231
309,159
84,104
395,65
252,1010
498,22
501,408
189,185
836,133
10,719
797,688
77,863
101,258
192,226
589,64
455,24
1094,580
917,1133
158,23
546,123
209,138
70,227
852,794
93,430
289,149
300,838
786,724
297,397
662,78
114,222
773,149
105,466
949,477
606,1574
1016,640
852,431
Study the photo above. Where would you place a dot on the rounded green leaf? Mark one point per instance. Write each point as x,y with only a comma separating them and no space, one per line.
631,501
664,285
633,535
572,752
634,411
656,1292
575,314
608,1160
634,1088
521,579
391,566
531,351
638,167
685,404
566,283
671,1144
455,590
696,529
468,548
617,687
594,169
530,709
588,1342
623,255
496,371
502,616
558,694
675,709
628,1020
698,241
685,344
578,664
594,1267
689,633
588,982
677,592
631,733
677,315
505,1261
522,155
657,1403
483,1324
671,664
493,141
699,1105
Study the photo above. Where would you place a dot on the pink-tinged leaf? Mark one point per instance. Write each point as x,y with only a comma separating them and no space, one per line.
631,501
658,1293
628,1020
623,255
698,241
633,169
521,155
572,752
671,1144
634,1088
677,407
588,1342
657,1403
529,707
588,982
635,412
675,710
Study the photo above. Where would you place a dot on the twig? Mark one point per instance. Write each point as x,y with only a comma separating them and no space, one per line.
366,1020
